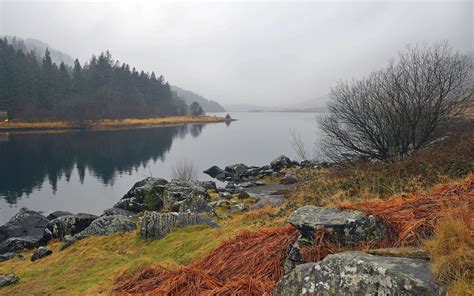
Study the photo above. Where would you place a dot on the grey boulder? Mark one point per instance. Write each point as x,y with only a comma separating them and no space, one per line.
216,171
102,226
69,225
109,224
57,214
9,256
280,162
118,211
289,179
196,204
8,279
40,253
25,223
342,226
357,273
13,244
155,225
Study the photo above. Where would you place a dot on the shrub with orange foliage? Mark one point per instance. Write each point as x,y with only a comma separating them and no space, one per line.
249,264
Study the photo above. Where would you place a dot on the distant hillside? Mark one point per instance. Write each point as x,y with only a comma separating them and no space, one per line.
39,48
189,97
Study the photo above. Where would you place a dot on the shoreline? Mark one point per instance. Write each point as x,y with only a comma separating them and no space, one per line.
107,124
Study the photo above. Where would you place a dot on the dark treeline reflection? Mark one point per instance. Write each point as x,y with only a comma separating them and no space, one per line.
27,160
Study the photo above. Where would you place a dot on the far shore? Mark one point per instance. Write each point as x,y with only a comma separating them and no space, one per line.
106,124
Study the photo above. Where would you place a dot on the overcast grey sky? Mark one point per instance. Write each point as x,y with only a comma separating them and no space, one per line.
263,53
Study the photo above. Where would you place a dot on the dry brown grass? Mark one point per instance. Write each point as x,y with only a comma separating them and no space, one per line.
249,264
107,123
445,161
452,253
411,219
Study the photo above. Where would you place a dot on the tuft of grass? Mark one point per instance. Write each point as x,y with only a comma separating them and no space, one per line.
452,252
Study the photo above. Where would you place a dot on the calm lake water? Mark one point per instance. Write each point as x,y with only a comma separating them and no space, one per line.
89,171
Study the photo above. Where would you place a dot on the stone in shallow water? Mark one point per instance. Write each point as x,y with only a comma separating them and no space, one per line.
8,279
357,273
155,225
343,226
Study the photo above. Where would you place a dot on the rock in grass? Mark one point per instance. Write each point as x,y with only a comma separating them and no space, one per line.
69,225
196,204
280,162
109,224
9,256
155,225
8,279
102,226
13,244
357,273
40,253
289,179
345,227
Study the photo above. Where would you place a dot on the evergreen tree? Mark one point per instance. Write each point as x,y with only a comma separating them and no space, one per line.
195,109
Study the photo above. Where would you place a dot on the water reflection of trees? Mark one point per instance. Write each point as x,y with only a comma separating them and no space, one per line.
26,161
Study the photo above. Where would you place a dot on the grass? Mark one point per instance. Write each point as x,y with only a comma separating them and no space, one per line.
448,160
452,252
90,266
107,123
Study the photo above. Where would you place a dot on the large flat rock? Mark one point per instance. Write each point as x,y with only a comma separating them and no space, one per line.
343,226
357,273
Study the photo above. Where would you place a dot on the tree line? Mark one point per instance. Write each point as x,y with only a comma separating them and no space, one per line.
38,89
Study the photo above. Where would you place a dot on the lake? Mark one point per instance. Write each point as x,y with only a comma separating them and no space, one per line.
89,171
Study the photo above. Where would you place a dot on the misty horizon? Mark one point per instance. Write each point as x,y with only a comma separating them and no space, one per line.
261,54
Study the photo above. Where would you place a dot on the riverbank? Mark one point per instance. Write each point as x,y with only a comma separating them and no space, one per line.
107,124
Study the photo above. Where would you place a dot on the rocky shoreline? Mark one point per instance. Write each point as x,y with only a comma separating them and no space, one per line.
157,206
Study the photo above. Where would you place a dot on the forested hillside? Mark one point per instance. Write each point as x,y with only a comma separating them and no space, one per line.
189,97
39,89
39,47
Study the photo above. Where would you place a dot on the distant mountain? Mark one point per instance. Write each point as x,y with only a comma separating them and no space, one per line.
39,48
189,97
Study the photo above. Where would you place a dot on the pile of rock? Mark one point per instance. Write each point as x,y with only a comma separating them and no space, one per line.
241,173
156,194
350,273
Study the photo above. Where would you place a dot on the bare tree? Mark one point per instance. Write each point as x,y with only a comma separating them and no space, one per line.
298,145
400,108
184,170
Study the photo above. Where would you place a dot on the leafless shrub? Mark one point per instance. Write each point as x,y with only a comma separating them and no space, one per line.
184,170
298,145
399,109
